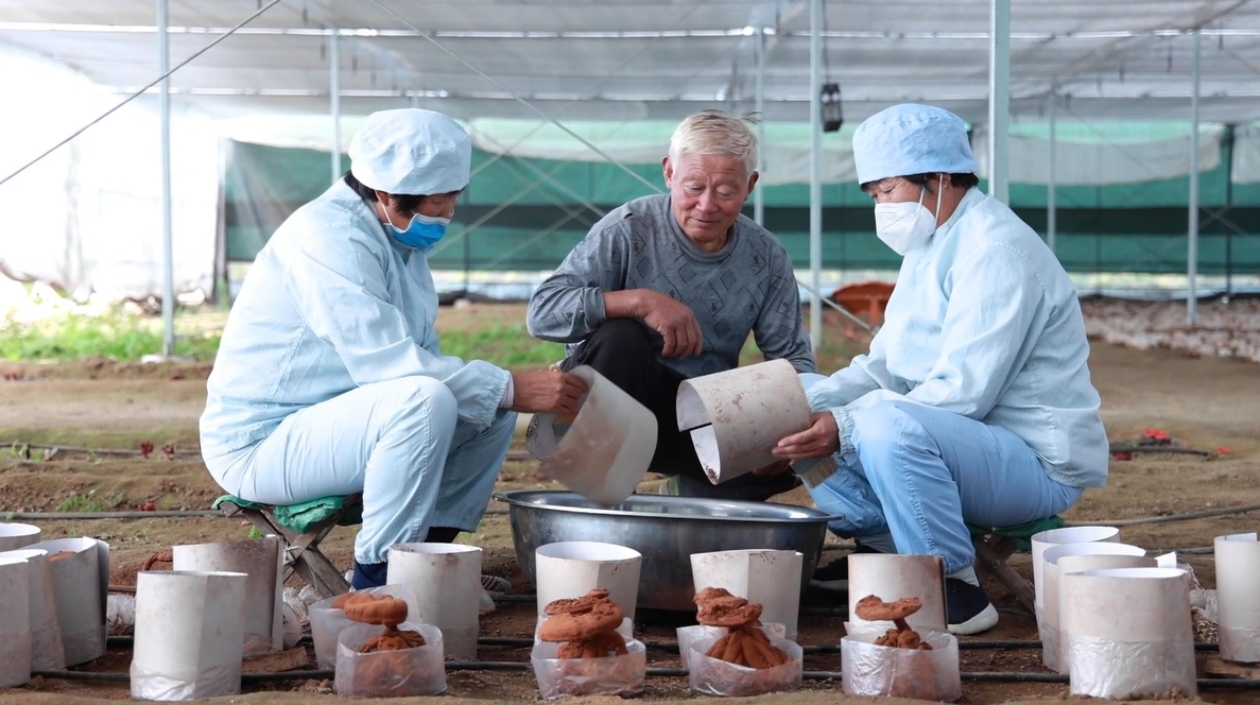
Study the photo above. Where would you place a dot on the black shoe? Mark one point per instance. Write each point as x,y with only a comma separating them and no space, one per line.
967,608
835,575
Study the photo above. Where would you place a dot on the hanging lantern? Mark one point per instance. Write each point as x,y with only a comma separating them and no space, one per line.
832,116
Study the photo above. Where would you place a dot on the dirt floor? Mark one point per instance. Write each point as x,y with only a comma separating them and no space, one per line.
99,405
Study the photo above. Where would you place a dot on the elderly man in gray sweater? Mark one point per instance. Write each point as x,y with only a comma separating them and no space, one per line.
668,287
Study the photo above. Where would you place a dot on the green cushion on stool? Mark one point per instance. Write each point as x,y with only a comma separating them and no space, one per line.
301,517
1022,533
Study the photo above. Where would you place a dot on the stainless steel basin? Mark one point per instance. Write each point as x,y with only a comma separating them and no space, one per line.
666,530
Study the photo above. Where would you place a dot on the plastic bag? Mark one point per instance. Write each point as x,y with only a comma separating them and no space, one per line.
327,622
390,674
1106,668
193,684
613,675
901,673
714,676
689,635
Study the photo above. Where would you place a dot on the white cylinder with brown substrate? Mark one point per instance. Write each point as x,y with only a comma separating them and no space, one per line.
1074,557
1238,597
768,577
1130,634
190,630
80,578
884,574
15,624
14,536
570,569
736,417
262,560
446,579
605,452
47,653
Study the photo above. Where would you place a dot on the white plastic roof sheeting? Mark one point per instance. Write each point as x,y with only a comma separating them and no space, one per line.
661,59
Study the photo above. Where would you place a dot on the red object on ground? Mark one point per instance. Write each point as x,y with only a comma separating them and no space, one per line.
868,299
1122,455
146,448
1222,450
1154,434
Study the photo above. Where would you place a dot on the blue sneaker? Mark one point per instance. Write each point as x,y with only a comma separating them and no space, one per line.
967,607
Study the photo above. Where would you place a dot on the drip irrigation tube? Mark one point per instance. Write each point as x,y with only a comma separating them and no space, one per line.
181,514
672,647
973,677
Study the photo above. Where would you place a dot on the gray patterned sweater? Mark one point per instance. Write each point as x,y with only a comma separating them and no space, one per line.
747,287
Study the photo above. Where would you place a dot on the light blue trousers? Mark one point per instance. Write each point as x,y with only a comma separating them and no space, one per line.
399,443
919,473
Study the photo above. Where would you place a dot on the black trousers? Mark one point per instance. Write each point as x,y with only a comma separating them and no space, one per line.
622,351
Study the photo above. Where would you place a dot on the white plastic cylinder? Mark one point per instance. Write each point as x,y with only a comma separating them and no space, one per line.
190,630
80,576
15,625
1130,634
1238,597
446,578
769,577
47,653
262,560
891,577
1075,557
569,569
14,536
1070,534
736,417
606,450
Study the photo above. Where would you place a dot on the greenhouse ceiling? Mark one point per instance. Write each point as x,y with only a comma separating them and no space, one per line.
659,59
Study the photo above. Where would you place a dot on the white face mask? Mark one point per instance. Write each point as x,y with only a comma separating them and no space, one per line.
905,226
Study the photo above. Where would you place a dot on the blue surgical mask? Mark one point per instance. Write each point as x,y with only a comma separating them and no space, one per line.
423,231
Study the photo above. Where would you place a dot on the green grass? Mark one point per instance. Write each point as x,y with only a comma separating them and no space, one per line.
503,346
127,338
90,502
117,336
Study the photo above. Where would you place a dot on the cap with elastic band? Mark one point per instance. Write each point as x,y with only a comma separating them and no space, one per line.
911,139
411,152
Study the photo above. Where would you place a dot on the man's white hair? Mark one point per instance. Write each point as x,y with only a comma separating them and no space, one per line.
715,132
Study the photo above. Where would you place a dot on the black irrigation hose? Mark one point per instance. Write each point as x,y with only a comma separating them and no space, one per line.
672,647
181,514
519,666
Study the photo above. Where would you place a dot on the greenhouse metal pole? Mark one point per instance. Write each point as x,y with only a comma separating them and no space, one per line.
168,243
815,173
999,96
1052,206
334,95
1192,253
759,205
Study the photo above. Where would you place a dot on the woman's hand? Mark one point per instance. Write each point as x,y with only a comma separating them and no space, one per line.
820,440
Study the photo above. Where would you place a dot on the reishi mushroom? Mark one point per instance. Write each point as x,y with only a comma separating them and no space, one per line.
873,609
745,644
585,626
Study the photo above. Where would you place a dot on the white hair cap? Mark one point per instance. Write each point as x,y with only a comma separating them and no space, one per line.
411,152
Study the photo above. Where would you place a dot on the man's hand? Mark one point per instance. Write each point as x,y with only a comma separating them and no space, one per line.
820,440
674,320
549,392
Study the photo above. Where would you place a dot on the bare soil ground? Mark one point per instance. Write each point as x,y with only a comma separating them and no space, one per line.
1206,403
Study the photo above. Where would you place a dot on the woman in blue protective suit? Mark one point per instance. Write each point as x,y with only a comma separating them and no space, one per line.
974,404
329,380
